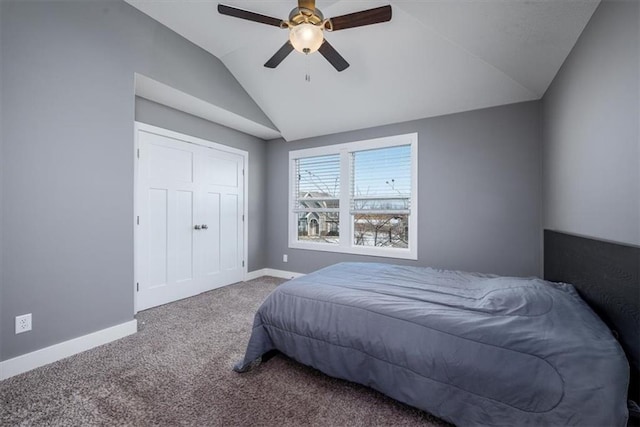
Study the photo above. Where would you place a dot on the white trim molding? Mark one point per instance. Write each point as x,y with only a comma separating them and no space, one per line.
282,274
47,355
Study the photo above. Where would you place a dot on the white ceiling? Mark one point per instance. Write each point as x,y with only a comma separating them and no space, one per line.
432,58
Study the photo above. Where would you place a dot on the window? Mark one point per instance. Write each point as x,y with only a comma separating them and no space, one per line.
381,196
358,198
317,198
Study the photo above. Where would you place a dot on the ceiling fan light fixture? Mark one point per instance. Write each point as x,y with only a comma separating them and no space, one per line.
306,38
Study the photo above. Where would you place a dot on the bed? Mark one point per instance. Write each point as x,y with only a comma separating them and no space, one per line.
473,349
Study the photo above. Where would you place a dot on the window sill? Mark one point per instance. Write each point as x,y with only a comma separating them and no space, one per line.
360,250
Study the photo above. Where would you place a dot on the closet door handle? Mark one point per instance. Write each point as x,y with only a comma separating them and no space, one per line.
197,227
205,227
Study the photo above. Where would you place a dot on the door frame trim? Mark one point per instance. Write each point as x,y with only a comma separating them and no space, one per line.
144,127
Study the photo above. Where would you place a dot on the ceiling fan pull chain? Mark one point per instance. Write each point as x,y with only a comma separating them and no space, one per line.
307,76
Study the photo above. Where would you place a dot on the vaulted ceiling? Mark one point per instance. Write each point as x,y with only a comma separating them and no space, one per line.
434,57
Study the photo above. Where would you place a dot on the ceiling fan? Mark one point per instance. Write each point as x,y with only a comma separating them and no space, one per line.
306,25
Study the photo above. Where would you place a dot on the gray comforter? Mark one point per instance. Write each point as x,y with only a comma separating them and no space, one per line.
472,349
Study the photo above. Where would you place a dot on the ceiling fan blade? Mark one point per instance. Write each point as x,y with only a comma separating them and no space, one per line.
280,55
249,16
333,56
359,19
307,4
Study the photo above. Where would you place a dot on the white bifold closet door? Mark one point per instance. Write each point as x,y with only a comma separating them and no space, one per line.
191,204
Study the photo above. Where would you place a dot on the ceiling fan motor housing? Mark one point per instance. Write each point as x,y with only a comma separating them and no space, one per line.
302,15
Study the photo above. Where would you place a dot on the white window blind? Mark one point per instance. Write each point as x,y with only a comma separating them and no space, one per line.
381,196
381,180
317,198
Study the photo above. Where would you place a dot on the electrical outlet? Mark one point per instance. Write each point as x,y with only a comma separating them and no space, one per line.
23,323
285,258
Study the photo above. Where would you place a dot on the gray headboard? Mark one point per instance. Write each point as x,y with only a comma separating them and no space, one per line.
607,276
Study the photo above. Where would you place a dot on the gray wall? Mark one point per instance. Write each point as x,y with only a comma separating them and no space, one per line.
68,113
479,192
1,185
162,116
591,156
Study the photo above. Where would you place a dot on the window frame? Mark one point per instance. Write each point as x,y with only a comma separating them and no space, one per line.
345,242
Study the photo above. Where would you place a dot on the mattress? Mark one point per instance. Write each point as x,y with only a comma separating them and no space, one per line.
470,348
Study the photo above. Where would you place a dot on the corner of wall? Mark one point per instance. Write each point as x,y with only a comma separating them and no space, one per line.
541,208
1,179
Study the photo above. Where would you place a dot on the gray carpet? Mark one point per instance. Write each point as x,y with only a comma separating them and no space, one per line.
177,371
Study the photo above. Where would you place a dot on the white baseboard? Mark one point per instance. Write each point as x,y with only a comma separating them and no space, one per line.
282,273
255,274
35,359
273,273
